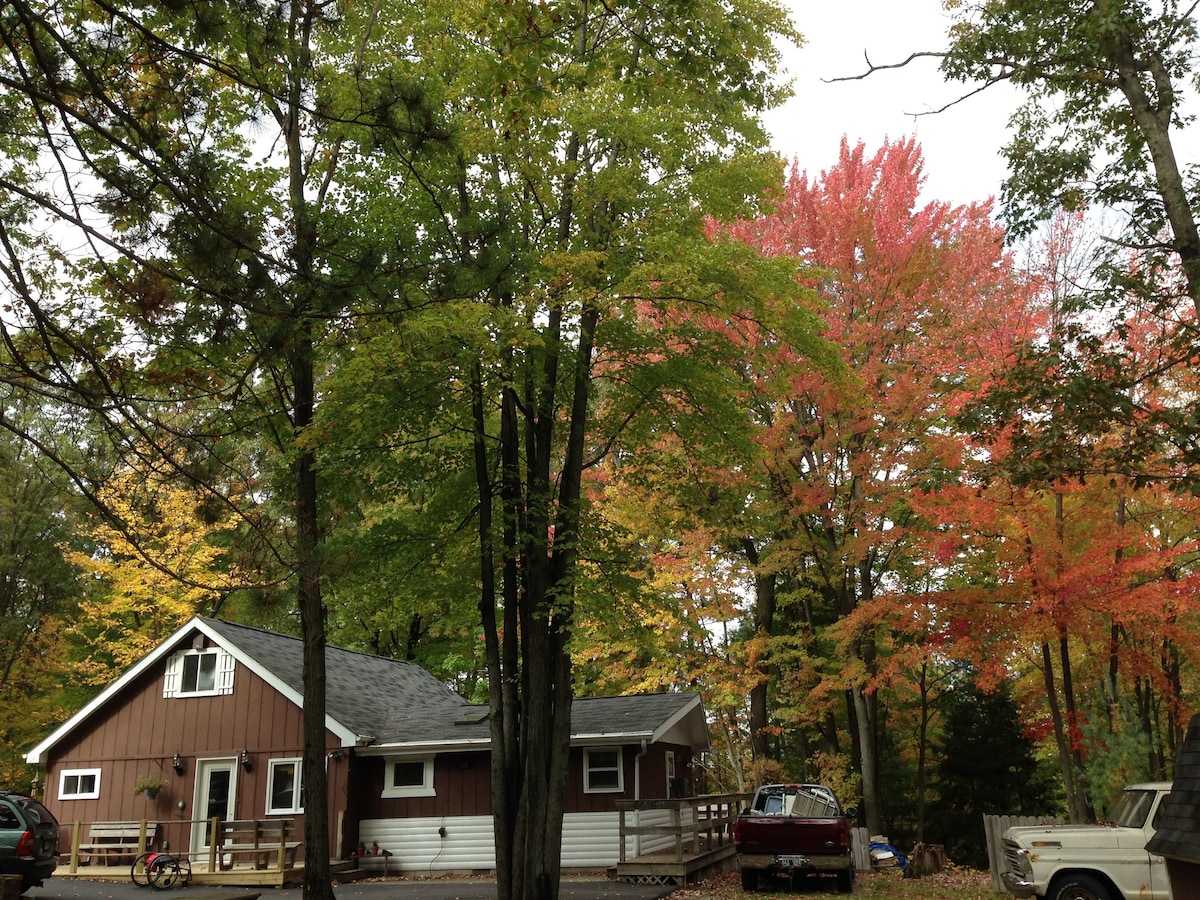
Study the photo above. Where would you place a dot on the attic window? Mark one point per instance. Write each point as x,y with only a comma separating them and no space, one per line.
199,673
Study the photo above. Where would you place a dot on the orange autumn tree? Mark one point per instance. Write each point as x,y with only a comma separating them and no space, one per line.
1079,568
913,293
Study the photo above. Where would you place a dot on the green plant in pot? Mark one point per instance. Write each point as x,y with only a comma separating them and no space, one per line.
148,785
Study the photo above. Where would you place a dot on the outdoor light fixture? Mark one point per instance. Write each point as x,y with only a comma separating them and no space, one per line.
177,764
245,760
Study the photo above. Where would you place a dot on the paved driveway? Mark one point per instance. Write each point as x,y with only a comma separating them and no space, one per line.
390,889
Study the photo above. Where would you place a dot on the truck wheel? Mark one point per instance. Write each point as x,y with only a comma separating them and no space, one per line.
749,879
1081,887
845,881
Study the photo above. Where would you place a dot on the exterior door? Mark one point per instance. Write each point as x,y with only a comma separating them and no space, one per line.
216,787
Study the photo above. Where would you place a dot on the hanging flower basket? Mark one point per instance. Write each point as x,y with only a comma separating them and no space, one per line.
148,786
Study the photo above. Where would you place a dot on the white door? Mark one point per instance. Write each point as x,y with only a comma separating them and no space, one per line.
216,784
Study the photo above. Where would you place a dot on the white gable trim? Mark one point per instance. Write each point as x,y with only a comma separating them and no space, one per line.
37,755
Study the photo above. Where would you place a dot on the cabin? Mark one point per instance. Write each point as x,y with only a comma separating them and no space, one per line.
211,718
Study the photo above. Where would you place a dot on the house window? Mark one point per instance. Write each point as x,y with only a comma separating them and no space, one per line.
79,784
602,772
409,778
285,788
199,673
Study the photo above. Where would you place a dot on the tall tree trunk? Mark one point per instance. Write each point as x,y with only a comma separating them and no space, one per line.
764,624
1074,809
317,882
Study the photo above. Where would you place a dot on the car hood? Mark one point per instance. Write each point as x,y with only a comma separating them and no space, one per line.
1074,835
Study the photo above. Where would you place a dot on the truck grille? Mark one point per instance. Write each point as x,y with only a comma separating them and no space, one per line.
1014,857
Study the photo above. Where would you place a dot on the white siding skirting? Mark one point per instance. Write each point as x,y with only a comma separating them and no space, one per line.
590,841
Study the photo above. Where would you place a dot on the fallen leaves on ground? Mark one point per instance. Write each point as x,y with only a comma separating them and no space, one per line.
952,883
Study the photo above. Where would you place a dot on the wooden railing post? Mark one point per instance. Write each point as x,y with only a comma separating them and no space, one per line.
76,840
214,842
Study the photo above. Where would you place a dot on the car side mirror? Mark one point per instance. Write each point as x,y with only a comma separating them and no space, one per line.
851,812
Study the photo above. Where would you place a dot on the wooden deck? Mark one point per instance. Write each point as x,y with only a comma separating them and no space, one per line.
677,841
268,864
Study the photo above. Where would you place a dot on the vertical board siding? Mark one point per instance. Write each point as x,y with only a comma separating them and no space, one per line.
138,732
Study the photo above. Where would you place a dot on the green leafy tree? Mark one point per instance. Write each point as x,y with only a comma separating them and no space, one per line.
590,141
38,594
986,766
216,206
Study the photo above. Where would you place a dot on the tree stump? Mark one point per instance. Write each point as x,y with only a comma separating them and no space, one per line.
926,859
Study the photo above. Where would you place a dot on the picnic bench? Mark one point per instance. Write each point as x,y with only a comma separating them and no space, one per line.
112,843
259,839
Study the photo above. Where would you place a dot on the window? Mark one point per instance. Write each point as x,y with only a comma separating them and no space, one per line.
285,788
199,673
79,784
602,773
408,778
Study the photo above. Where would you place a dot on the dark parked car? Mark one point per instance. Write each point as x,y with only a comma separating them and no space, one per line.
28,839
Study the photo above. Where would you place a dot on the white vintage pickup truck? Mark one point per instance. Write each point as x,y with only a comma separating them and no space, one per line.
1107,861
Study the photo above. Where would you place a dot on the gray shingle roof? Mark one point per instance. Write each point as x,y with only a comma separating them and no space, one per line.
388,702
370,695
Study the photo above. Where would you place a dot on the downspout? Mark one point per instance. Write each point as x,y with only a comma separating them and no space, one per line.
637,795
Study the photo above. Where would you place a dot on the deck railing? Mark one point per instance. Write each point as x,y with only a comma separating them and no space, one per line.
695,824
263,844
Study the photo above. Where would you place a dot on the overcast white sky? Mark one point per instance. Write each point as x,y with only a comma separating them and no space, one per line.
961,146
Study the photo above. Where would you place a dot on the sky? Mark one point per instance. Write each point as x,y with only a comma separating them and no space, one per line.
961,145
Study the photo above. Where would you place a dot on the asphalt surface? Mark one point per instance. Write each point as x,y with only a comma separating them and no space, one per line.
384,889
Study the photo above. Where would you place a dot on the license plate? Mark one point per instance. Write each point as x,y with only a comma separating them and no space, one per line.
792,862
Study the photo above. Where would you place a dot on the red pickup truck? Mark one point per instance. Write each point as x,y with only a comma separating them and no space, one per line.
794,829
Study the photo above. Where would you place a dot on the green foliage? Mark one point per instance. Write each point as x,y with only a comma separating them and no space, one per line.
1119,754
985,766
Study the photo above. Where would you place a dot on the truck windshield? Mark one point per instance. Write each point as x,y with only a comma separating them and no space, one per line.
1131,810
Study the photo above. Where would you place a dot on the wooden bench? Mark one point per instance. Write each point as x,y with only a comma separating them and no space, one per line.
112,843
260,839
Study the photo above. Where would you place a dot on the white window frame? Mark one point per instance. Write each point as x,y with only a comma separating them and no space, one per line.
297,806
589,768
391,789
93,794
222,676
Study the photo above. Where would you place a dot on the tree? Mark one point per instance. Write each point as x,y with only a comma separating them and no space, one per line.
38,590
184,301
986,766
586,143
141,591
909,293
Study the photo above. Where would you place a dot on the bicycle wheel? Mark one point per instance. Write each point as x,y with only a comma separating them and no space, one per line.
164,872
139,872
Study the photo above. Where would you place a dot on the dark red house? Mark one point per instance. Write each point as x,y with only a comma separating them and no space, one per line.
214,713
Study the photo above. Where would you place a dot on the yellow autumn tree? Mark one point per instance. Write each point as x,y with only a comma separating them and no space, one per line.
153,562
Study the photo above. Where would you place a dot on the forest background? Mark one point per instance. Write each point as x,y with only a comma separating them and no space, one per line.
421,332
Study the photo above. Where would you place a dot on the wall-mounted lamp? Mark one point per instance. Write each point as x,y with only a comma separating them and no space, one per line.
244,759
177,764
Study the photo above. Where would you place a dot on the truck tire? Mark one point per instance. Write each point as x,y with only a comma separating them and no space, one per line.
1081,887
749,879
845,881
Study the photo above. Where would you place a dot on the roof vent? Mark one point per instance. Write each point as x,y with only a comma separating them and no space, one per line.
472,717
